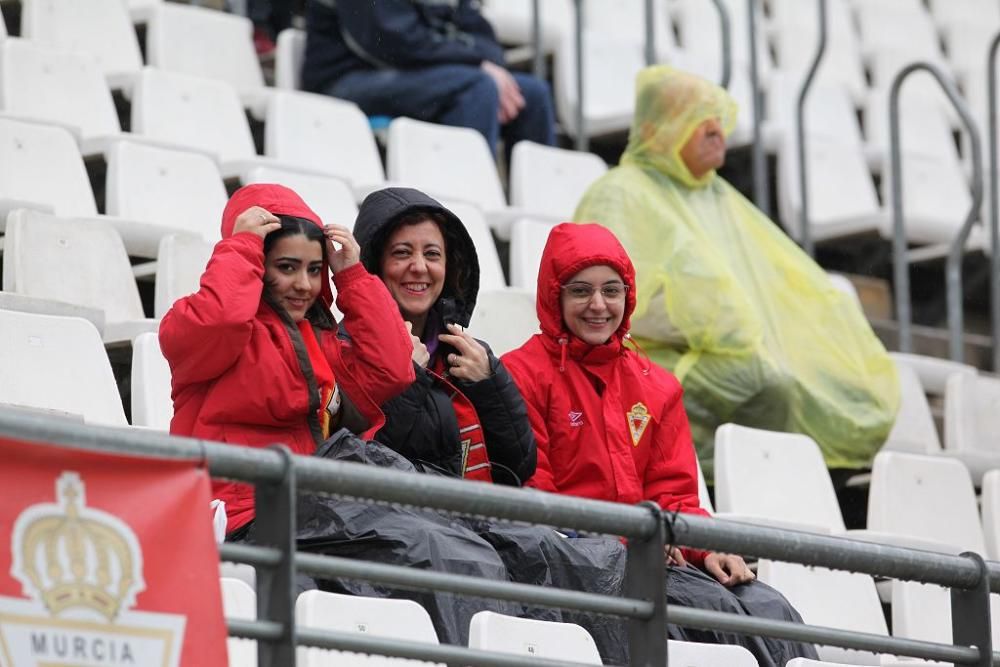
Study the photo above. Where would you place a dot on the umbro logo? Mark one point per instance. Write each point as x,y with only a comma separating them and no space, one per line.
575,418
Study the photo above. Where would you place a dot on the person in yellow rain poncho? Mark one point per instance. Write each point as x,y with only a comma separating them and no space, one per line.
750,325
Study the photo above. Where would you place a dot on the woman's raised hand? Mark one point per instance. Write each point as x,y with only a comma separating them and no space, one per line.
349,253
256,220
420,354
470,362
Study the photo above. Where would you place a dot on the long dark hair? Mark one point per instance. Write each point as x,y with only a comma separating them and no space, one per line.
318,314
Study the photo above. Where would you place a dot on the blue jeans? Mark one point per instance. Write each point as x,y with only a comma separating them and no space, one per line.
461,95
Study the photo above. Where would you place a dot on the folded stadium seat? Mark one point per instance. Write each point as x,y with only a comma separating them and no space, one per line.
972,414
204,42
933,372
490,268
152,406
925,126
289,54
886,662
76,261
374,617
179,191
200,114
991,515
504,318
830,111
551,180
39,306
703,496
57,365
830,598
512,21
900,26
41,169
179,265
967,44
610,66
569,642
100,28
142,10
701,36
627,19
328,196
3,28
239,601
843,284
452,163
695,654
948,13
326,135
68,89
527,241
930,498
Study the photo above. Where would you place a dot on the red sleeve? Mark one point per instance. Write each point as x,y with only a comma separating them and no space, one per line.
204,334
672,477
378,356
535,400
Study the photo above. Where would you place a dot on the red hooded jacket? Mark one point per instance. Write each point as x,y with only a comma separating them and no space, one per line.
236,376
609,425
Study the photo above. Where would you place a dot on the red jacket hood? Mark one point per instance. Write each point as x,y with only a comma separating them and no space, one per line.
277,200
571,248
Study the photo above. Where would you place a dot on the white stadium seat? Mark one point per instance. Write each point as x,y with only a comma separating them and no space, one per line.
44,84
972,413
239,601
914,430
76,261
490,269
991,514
152,406
179,265
57,365
551,180
99,28
375,617
696,654
933,372
329,197
569,642
527,241
289,54
504,318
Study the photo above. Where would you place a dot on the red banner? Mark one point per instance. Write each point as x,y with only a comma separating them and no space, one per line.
106,561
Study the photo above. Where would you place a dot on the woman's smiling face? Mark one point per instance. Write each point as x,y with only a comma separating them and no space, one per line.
413,268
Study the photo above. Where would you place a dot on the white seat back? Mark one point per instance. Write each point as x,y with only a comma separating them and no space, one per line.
239,601
76,261
780,476
505,318
914,429
991,514
936,198
490,269
179,264
921,611
151,402
696,654
550,180
192,112
449,162
176,189
375,617
330,197
972,413
527,241
289,54
42,164
490,631
703,496
929,497
100,28
325,134
204,42
57,364
60,86
831,598
932,371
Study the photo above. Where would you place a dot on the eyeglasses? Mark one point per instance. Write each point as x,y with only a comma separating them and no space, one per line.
584,292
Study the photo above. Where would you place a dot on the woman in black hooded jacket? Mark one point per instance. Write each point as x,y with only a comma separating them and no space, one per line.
463,403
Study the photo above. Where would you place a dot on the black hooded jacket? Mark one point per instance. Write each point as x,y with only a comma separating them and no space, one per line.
421,423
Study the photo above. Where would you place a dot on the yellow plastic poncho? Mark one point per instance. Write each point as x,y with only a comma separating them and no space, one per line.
751,326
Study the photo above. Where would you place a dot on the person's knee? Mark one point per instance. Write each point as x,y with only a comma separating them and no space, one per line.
535,91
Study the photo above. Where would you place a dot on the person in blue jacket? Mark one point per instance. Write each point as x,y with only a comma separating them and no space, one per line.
432,60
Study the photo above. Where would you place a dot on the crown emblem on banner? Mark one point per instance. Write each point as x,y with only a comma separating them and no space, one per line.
70,556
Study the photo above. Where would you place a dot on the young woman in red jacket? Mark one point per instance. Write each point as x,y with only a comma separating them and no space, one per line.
254,355
610,425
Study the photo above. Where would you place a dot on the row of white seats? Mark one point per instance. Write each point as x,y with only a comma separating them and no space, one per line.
407,620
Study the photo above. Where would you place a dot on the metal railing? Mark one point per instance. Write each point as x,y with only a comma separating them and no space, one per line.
279,476
900,261
805,226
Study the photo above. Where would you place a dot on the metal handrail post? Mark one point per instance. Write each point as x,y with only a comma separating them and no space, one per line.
581,130
645,578
762,197
991,84
805,227
538,62
726,34
650,33
953,267
970,614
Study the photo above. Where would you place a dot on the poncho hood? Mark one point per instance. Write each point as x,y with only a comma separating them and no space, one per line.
670,105
277,200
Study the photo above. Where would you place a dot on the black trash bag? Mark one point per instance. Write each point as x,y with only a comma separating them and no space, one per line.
398,536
